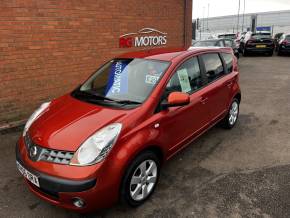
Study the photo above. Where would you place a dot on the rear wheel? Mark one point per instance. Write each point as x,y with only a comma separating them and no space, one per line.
231,118
140,179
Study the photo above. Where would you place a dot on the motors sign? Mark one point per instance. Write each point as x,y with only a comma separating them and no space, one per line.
143,38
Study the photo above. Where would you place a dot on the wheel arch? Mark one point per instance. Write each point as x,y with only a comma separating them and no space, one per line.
154,148
238,96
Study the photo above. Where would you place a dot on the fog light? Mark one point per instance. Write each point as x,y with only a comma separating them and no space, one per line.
78,202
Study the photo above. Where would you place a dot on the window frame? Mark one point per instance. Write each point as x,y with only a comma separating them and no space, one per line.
223,64
230,41
205,82
200,68
174,71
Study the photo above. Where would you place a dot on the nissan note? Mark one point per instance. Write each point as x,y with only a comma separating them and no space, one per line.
107,140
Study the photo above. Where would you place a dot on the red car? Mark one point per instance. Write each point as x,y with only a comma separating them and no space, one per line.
284,44
106,140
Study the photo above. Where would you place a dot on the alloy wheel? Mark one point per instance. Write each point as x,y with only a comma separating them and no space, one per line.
143,180
233,113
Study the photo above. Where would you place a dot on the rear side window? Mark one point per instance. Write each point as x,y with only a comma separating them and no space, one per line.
229,61
213,66
229,43
221,44
261,35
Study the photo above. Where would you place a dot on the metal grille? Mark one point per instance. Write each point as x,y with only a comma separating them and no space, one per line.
48,155
61,157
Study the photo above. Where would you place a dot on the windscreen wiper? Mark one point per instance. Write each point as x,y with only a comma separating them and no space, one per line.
101,97
114,100
127,102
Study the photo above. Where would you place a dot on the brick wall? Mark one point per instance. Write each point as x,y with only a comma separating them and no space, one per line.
47,47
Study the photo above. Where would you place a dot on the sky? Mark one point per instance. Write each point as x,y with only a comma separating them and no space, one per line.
230,7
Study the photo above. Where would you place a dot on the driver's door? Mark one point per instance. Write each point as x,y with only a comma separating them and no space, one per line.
182,123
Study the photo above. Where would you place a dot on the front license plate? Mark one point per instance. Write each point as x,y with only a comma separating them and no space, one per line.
28,175
260,46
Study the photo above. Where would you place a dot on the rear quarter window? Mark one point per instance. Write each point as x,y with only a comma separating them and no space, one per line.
228,58
213,66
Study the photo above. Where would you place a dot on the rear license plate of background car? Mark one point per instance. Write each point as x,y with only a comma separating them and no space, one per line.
28,175
260,46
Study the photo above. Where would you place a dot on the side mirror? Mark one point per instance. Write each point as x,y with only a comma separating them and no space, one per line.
176,99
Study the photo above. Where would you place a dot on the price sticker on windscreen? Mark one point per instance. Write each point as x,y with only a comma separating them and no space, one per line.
151,79
183,80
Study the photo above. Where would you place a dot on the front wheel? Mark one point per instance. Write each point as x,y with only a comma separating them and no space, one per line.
140,179
231,118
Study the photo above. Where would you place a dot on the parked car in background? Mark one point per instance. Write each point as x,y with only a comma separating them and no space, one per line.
284,44
107,140
238,40
277,39
232,36
260,42
218,43
210,43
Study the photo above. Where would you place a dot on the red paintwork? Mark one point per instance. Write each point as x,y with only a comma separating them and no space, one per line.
176,98
68,122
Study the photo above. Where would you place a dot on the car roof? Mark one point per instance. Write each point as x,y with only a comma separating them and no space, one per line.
168,54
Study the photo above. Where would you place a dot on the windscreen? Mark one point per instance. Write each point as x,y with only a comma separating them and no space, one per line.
125,80
261,35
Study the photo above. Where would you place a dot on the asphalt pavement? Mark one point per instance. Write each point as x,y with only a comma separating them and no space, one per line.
243,172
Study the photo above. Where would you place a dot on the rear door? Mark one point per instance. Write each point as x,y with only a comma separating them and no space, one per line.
217,91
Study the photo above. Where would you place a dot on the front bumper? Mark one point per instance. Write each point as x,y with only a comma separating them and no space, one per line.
62,191
55,185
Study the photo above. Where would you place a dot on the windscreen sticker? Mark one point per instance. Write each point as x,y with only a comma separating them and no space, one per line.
184,81
118,79
151,79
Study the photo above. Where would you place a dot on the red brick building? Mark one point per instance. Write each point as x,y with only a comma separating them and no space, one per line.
47,47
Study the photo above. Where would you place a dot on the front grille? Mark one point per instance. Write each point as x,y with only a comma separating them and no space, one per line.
48,155
61,157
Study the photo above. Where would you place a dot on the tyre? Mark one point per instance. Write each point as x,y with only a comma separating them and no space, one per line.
232,116
271,53
140,179
245,53
237,55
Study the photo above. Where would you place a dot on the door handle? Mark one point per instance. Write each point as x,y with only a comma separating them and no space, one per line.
203,100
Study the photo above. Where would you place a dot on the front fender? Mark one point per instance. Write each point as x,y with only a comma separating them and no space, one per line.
124,153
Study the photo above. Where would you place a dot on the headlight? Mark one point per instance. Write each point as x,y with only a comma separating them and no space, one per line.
97,146
34,116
